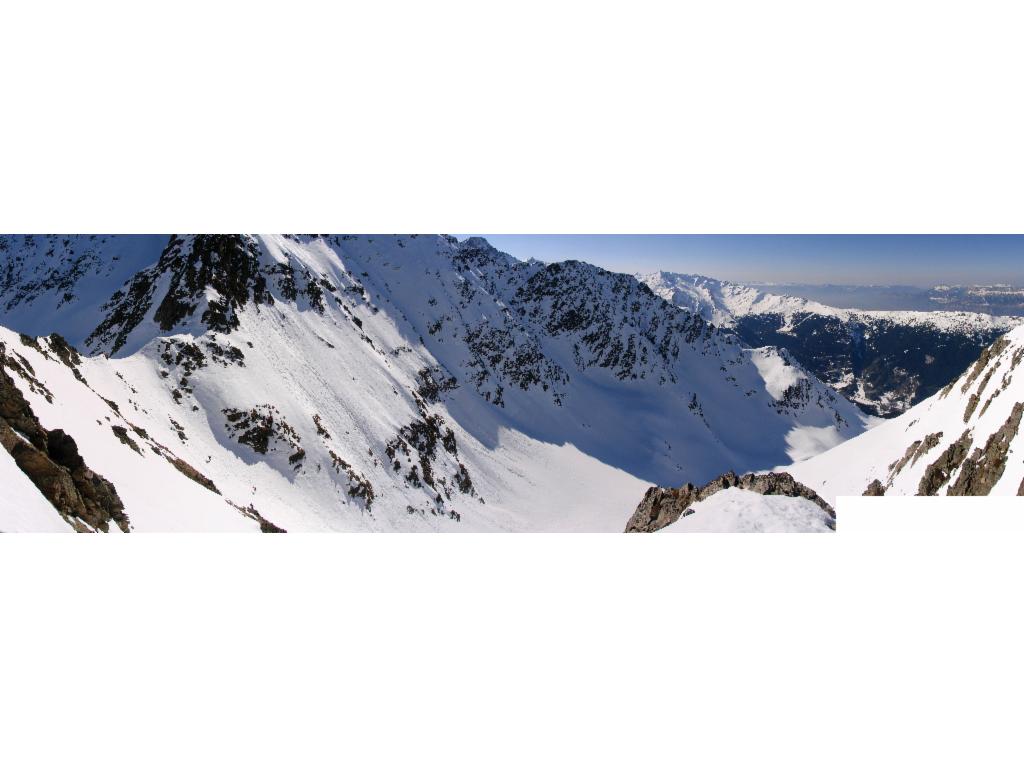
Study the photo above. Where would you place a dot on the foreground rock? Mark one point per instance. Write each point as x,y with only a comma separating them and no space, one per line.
985,466
50,459
663,506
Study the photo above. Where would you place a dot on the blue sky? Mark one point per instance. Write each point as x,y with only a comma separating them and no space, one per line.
921,260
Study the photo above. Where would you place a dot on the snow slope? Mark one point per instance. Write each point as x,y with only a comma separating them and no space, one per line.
737,511
156,494
406,383
22,506
964,440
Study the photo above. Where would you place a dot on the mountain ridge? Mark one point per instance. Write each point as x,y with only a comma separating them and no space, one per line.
964,440
417,383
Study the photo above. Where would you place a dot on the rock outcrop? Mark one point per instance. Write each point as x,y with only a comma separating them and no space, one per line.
939,471
875,488
984,467
50,459
663,506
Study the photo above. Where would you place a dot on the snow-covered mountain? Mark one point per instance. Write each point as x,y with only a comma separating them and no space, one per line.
985,299
964,440
883,360
67,278
330,382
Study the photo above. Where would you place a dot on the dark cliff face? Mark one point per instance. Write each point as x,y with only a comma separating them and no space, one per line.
219,274
897,365
622,325
227,264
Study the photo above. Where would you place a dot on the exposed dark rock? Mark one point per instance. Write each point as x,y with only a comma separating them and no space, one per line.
50,459
358,486
22,368
663,506
321,430
14,408
463,481
418,441
983,469
190,472
229,264
122,434
939,471
875,488
972,403
251,512
897,466
914,451
929,442
179,430
185,355
61,447
67,353
987,355
261,428
433,382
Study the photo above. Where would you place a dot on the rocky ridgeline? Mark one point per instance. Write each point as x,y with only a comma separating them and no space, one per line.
663,506
228,265
972,464
609,321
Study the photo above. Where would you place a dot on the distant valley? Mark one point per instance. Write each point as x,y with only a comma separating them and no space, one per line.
884,360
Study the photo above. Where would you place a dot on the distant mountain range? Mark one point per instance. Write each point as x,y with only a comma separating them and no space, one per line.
985,299
883,360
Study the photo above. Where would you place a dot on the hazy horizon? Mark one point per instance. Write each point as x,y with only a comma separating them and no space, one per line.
912,261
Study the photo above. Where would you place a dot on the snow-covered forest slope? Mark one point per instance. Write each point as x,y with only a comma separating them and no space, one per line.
884,360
